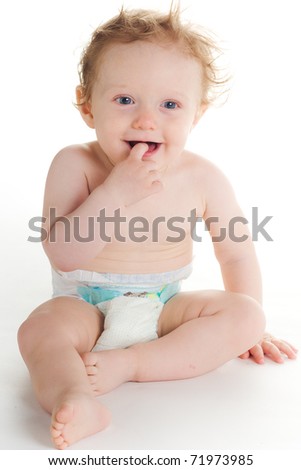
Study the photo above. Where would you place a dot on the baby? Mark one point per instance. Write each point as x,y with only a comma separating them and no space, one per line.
119,215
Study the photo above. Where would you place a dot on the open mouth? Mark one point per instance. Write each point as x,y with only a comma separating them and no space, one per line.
152,146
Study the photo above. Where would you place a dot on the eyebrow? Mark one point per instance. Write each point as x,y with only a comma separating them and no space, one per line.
117,87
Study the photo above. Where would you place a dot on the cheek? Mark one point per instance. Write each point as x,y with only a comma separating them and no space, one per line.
179,131
105,130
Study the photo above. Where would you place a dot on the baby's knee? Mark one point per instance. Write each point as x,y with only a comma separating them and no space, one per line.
26,334
29,334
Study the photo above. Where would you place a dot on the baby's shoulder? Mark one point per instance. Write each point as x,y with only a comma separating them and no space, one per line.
201,168
73,174
211,182
79,162
76,155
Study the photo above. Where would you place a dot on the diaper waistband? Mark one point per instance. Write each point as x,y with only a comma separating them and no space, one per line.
137,281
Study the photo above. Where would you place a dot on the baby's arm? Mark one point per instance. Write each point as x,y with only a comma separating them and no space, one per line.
236,255
77,210
231,238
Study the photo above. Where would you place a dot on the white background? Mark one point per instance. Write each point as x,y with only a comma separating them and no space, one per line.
254,138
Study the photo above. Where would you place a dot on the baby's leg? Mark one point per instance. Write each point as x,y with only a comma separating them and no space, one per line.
198,332
51,341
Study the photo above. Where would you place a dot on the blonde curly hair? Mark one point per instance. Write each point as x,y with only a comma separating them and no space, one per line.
163,28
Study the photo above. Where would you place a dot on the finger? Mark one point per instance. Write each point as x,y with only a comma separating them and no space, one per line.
138,150
272,351
245,355
257,353
289,344
156,186
286,348
271,339
153,176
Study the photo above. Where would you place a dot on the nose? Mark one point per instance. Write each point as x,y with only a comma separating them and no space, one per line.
144,120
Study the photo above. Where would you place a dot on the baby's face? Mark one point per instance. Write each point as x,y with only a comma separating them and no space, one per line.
145,93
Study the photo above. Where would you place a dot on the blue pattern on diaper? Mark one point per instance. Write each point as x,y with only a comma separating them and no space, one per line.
95,294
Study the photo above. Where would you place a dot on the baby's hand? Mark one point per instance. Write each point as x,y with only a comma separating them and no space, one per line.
271,347
134,179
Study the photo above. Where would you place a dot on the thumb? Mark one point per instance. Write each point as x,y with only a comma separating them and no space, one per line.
138,150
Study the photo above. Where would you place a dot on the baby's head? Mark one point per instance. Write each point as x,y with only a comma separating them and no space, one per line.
163,29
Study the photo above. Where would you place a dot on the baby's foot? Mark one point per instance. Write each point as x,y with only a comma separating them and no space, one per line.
76,417
107,370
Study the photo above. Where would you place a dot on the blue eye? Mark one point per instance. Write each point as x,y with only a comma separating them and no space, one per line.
170,105
124,100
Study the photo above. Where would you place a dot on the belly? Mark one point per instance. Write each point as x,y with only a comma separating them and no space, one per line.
142,257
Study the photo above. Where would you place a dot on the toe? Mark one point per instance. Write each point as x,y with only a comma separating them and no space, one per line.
55,433
91,370
92,379
58,441
89,359
64,415
61,445
55,425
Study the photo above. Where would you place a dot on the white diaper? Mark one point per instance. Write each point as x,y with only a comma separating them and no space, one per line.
128,320
130,303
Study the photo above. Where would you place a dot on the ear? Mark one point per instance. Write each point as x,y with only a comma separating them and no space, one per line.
84,107
199,113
